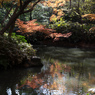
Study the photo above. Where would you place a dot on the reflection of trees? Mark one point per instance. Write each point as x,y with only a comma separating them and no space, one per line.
10,78
60,78
48,81
84,75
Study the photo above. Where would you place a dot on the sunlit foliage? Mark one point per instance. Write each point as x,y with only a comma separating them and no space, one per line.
57,6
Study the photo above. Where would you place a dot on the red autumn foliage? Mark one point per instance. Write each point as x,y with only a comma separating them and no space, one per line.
32,27
57,36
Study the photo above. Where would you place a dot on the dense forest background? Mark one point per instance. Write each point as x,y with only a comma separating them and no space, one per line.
38,22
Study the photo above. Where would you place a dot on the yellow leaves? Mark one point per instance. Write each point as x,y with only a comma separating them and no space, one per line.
57,8
53,18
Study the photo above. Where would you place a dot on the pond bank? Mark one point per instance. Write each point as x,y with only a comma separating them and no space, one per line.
72,69
68,44
34,62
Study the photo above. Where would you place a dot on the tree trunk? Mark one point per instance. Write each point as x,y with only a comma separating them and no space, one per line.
70,3
10,22
30,16
78,6
16,14
8,12
11,29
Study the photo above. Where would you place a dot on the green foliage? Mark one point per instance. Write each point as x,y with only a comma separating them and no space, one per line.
40,12
73,16
59,26
88,7
80,32
14,50
82,6
88,93
64,26
18,38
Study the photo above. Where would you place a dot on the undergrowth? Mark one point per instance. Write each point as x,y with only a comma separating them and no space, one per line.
14,50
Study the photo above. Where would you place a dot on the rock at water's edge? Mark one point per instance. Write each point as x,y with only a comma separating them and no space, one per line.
35,62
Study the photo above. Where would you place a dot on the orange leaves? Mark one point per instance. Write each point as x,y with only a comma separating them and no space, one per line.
32,27
57,6
89,16
92,30
57,36
54,3
53,17
55,10
60,13
57,13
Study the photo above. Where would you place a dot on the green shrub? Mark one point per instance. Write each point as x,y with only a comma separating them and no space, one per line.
80,32
14,50
59,26
18,38
64,26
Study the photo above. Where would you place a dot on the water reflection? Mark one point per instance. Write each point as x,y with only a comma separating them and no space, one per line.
60,79
9,91
82,62
49,82
9,79
66,71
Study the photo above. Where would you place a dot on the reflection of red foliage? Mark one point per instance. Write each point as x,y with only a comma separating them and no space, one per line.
34,83
39,79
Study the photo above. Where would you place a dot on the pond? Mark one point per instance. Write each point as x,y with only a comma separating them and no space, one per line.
66,71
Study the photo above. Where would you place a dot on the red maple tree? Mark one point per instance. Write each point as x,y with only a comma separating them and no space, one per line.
30,27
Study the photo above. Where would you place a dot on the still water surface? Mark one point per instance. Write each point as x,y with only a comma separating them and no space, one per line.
66,71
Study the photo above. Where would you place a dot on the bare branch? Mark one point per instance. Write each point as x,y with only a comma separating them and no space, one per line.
20,4
6,8
8,12
32,6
